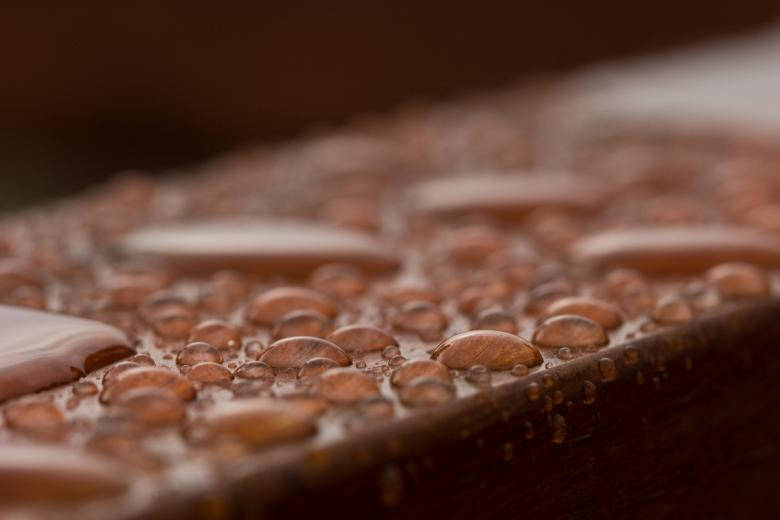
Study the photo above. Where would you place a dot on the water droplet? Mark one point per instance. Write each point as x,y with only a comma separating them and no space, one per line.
401,295
564,353
112,373
668,250
532,391
270,306
147,377
736,280
423,318
315,366
39,350
294,352
152,406
198,352
415,368
279,247
40,419
508,196
631,355
255,370
559,429
558,397
603,313
541,296
607,369
346,386
520,370
85,388
142,360
496,318
362,338
33,474
257,423
303,322
496,350
209,373
173,323
129,290
672,310
254,349
471,245
338,280
218,333
569,330
376,407
426,391
590,391
479,375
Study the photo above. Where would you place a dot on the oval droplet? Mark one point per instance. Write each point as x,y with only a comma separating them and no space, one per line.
496,350
607,369
148,377
603,313
304,322
569,330
40,419
423,318
338,280
209,373
346,386
152,407
255,370
294,352
672,310
278,247
496,318
427,391
677,249
415,368
198,352
316,366
735,280
362,338
218,333
270,306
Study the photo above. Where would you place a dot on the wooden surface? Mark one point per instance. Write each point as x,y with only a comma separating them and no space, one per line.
698,439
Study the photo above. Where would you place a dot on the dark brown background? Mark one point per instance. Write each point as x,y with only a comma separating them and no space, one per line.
90,90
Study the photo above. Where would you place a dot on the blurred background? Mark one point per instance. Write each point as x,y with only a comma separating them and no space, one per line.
91,90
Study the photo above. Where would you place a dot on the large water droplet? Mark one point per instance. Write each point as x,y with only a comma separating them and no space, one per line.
496,350
603,313
569,330
270,306
218,333
362,338
258,246
294,352
346,386
39,350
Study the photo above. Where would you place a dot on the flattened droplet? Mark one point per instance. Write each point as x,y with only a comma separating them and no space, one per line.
198,352
507,195
736,280
569,330
346,386
677,249
218,333
423,318
362,338
270,306
152,407
40,419
316,366
603,313
39,350
496,350
48,474
255,370
415,368
294,352
147,377
338,280
258,423
209,373
283,247
496,318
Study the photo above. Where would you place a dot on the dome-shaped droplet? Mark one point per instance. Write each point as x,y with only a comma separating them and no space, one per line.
198,352
147,377
218,333
173,323
346,386
270,306
422,318
338,280
315,366
257,423
362,338
607,369
255,370
303,322
40,419
294,352
496,350
736,280
478,375
426,391
152,407
209,373
415,368
496,318
603,313
672,310
569,330
472,244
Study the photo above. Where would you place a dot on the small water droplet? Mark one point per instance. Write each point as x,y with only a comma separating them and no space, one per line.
564,353
569,330
346,386
218,333
422,318
672,310
559,429
198,352
416,368
590,391
209,373
735,280
532,391
631,355
338,280
479,375
315,366
255,370
426,391
520,370
607,369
